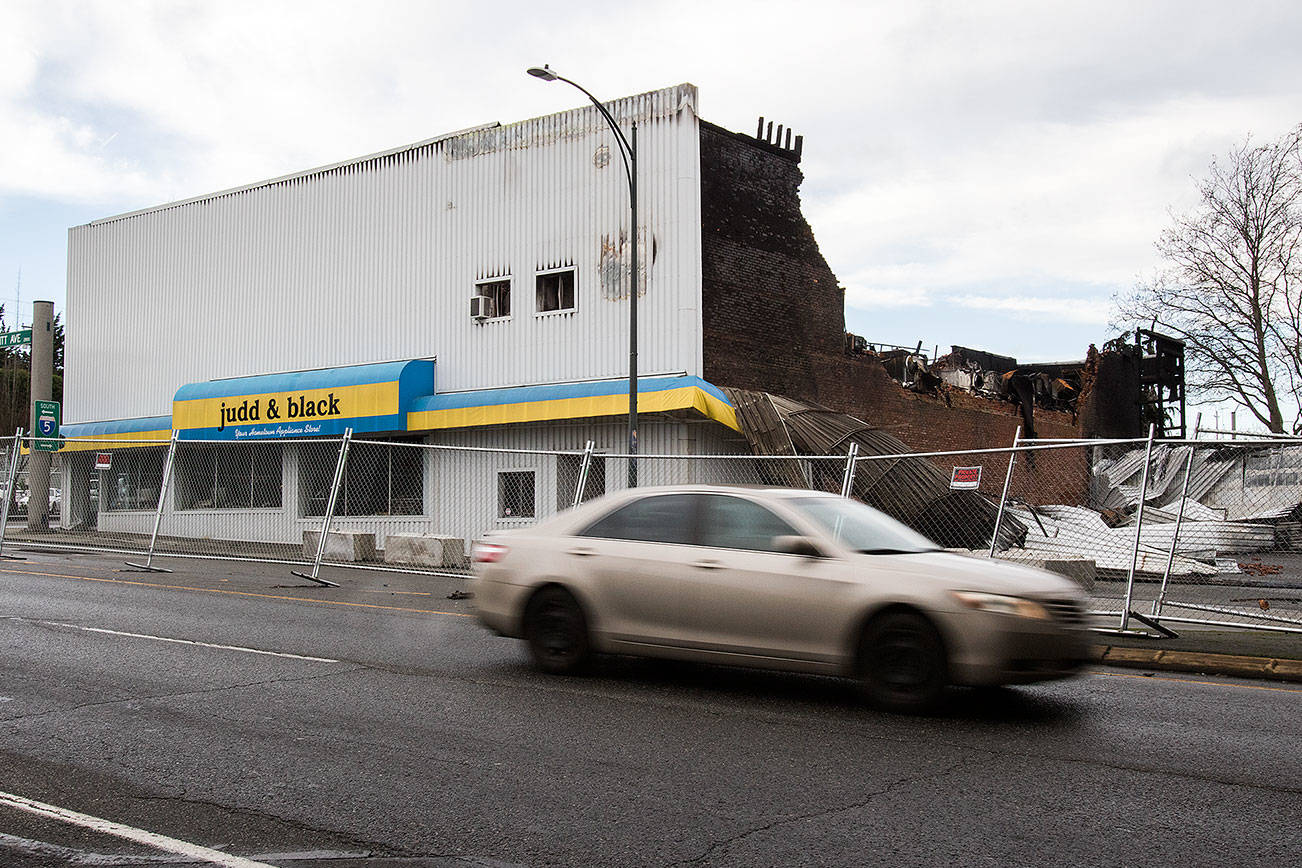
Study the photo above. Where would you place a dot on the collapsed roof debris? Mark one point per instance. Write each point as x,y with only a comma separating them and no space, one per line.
912,490
1223,512
1132,383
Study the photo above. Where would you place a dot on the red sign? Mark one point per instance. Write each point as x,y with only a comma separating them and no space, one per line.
103,460
966,477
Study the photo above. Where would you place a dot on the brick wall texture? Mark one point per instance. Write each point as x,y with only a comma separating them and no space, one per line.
774,318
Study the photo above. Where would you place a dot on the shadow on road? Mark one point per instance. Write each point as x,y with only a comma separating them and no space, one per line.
821,694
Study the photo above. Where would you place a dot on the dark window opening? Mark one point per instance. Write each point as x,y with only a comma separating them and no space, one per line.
499,294
135,480
218,476
515,494
379,478
556,290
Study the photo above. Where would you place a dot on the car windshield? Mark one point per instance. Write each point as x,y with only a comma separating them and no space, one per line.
862,528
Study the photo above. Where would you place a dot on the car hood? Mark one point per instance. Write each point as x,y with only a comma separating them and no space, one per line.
965,573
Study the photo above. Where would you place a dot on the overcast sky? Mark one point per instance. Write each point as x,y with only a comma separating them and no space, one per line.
979,173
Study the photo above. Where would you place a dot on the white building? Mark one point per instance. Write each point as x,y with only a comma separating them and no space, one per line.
467,290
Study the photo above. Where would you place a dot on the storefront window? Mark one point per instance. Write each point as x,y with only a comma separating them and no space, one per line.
135,480
380,479
221,476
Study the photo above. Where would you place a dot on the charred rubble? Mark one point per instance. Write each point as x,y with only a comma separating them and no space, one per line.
1112,393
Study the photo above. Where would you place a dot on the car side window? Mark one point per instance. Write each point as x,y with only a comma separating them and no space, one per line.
667,518
736,523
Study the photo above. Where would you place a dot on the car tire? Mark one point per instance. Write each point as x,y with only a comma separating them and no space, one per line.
901,663
557,632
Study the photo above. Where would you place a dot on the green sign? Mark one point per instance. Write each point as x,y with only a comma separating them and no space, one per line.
15,339
48,415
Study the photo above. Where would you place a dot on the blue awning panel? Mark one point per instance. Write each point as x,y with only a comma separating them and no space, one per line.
324,402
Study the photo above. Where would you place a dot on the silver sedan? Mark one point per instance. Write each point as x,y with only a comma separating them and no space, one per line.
777,578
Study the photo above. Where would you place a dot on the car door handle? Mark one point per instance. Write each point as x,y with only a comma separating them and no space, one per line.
708,565
581,552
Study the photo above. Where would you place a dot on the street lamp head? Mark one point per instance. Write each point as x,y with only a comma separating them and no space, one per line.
544,72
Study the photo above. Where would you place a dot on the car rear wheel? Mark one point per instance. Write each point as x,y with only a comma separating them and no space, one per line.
557,632
902,663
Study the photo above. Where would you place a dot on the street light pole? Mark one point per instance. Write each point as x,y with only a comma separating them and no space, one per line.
628,152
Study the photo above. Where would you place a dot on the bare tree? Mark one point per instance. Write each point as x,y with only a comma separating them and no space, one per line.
1230,288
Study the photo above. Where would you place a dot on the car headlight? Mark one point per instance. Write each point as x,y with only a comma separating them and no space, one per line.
1003,605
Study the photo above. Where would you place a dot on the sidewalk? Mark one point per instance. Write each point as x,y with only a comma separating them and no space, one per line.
1235,653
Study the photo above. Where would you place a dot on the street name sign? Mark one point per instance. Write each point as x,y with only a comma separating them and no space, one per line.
16,339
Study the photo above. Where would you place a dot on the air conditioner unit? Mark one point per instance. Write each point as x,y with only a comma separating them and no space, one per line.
481,307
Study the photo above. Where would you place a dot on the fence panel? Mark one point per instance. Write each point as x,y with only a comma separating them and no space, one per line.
1227,516
1220,540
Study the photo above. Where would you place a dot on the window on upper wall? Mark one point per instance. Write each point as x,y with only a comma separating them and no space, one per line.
498,295
555,290
515,494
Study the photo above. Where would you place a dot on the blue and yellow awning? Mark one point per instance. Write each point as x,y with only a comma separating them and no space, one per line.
317,403
85,436
568,401
394,396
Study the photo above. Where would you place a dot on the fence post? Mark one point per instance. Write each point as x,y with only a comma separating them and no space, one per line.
329,513
1170,555
583,473
1139,526
1003,498
148,565
847,481
9,493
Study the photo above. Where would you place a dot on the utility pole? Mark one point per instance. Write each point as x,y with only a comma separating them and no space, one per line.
38,462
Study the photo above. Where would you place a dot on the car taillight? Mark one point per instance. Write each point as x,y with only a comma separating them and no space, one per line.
487,553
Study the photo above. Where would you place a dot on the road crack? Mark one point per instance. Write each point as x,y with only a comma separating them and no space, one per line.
718,846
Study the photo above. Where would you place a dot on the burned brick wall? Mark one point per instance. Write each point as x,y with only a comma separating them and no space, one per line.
1112,404
773,313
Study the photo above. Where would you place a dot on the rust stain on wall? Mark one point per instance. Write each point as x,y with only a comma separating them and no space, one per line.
614,263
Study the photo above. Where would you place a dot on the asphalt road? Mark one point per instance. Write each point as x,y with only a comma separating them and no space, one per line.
399,733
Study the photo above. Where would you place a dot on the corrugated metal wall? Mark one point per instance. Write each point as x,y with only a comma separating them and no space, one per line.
377,259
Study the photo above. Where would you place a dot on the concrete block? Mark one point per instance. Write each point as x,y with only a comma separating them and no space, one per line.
425,549
341,545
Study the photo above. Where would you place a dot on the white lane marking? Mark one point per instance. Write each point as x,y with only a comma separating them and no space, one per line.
140,836
189,642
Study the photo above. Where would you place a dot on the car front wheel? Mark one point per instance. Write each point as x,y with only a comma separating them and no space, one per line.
902,663
557,632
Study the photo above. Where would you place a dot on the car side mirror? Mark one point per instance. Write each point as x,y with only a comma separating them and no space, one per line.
796,545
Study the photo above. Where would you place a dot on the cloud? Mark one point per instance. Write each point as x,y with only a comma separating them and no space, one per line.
980,151
867,297
1086,311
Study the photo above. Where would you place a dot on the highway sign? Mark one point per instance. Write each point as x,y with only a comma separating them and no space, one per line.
47,426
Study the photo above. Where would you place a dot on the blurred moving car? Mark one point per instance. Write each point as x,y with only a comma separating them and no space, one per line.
776,578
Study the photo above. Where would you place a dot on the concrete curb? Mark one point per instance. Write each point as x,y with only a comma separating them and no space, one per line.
1232,665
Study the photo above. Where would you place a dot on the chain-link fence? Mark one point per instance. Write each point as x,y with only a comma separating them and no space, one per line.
1221,531
1205,531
